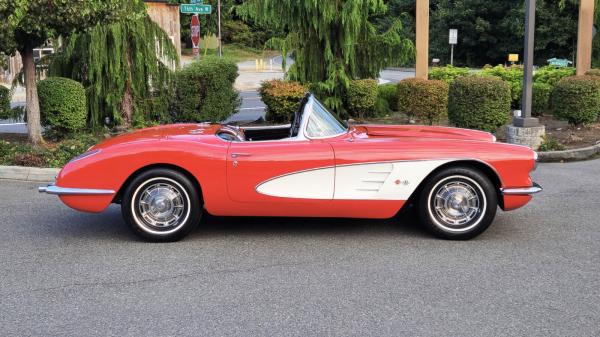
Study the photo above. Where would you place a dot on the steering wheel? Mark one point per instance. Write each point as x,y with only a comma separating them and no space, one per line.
295,128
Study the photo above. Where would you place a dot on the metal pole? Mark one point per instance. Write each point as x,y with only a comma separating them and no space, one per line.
452,55
525,120
219,13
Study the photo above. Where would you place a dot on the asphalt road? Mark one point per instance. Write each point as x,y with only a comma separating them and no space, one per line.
535,272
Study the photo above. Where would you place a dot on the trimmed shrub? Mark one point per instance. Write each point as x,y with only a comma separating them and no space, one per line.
551,74
5,112
427,100
577,99
204,91
63,105
540,99
389,93
282,99
479,102
593,72
513,76
448,73
362,98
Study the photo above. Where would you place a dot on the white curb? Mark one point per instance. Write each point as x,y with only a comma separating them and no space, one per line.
28,173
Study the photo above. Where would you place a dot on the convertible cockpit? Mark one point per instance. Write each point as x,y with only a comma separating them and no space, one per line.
312,120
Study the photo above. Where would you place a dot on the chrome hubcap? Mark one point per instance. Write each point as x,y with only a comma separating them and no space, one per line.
456,203
161,206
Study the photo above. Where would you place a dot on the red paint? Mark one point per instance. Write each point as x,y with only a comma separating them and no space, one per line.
195,31
231,191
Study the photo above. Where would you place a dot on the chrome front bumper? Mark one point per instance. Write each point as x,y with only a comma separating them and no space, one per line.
536,188
55,190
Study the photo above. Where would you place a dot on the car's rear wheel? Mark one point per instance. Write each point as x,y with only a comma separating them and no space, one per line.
458,203
161,205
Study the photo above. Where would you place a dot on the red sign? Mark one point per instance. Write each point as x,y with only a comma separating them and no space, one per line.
195,28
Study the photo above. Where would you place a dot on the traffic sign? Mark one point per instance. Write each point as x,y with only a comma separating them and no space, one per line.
195,31
195,9
453,36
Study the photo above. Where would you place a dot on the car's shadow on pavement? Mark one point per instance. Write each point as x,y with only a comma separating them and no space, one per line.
110,226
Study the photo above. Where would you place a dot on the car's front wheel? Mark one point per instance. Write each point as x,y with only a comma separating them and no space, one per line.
458,203
161,205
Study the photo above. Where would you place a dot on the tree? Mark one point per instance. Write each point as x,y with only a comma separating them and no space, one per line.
27,24
333,42
124,67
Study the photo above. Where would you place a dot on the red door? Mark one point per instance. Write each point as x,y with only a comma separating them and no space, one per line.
280,171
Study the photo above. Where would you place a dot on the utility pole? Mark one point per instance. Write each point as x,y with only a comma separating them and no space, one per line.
219,19
422,62
585,36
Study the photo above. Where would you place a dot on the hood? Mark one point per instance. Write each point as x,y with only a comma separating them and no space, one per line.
160,132
420,131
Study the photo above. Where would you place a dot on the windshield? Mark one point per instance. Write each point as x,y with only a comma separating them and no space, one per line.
322,123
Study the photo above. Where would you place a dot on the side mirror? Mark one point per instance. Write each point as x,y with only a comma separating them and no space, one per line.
349,123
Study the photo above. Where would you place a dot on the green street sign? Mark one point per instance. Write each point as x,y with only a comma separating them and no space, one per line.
195,9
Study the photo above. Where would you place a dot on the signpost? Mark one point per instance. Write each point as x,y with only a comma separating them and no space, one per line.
453,39
197,7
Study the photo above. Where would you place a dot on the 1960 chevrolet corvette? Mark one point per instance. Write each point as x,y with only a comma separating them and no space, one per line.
165,177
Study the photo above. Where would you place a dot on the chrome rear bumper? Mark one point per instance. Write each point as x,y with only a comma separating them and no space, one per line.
55,190
536,188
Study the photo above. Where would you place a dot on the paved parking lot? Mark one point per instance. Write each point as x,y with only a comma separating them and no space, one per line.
535,272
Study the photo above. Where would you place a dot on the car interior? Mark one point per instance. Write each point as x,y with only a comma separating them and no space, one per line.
264,133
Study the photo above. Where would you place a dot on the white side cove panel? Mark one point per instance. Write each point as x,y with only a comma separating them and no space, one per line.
313,184
382,181
372,181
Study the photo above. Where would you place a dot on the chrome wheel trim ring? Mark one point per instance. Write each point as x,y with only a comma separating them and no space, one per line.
160,208
462,187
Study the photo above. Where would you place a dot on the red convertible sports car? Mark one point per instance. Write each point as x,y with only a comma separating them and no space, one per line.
165,177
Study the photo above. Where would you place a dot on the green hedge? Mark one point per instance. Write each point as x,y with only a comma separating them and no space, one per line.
389,94
427,100
362,98
5,112
513,76
63,106
204,91
479,102
577,99
448,73
282,99
541,98
551,74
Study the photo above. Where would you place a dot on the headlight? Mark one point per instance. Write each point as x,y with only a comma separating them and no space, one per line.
85,155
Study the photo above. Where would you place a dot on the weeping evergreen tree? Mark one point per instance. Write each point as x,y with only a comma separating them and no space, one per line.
125,68
333,42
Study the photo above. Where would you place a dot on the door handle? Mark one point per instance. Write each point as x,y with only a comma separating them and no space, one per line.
235,157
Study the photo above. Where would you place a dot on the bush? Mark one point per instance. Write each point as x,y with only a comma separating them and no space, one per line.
448,73
204,91
541,98
5,112
551,74
427,100
282,99
389,93
577,99
593,72
550,143
63,105
361,98
513,76
479,102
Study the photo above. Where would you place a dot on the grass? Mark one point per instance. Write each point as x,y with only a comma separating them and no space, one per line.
237,53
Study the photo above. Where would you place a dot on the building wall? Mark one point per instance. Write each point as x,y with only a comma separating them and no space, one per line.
167,17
